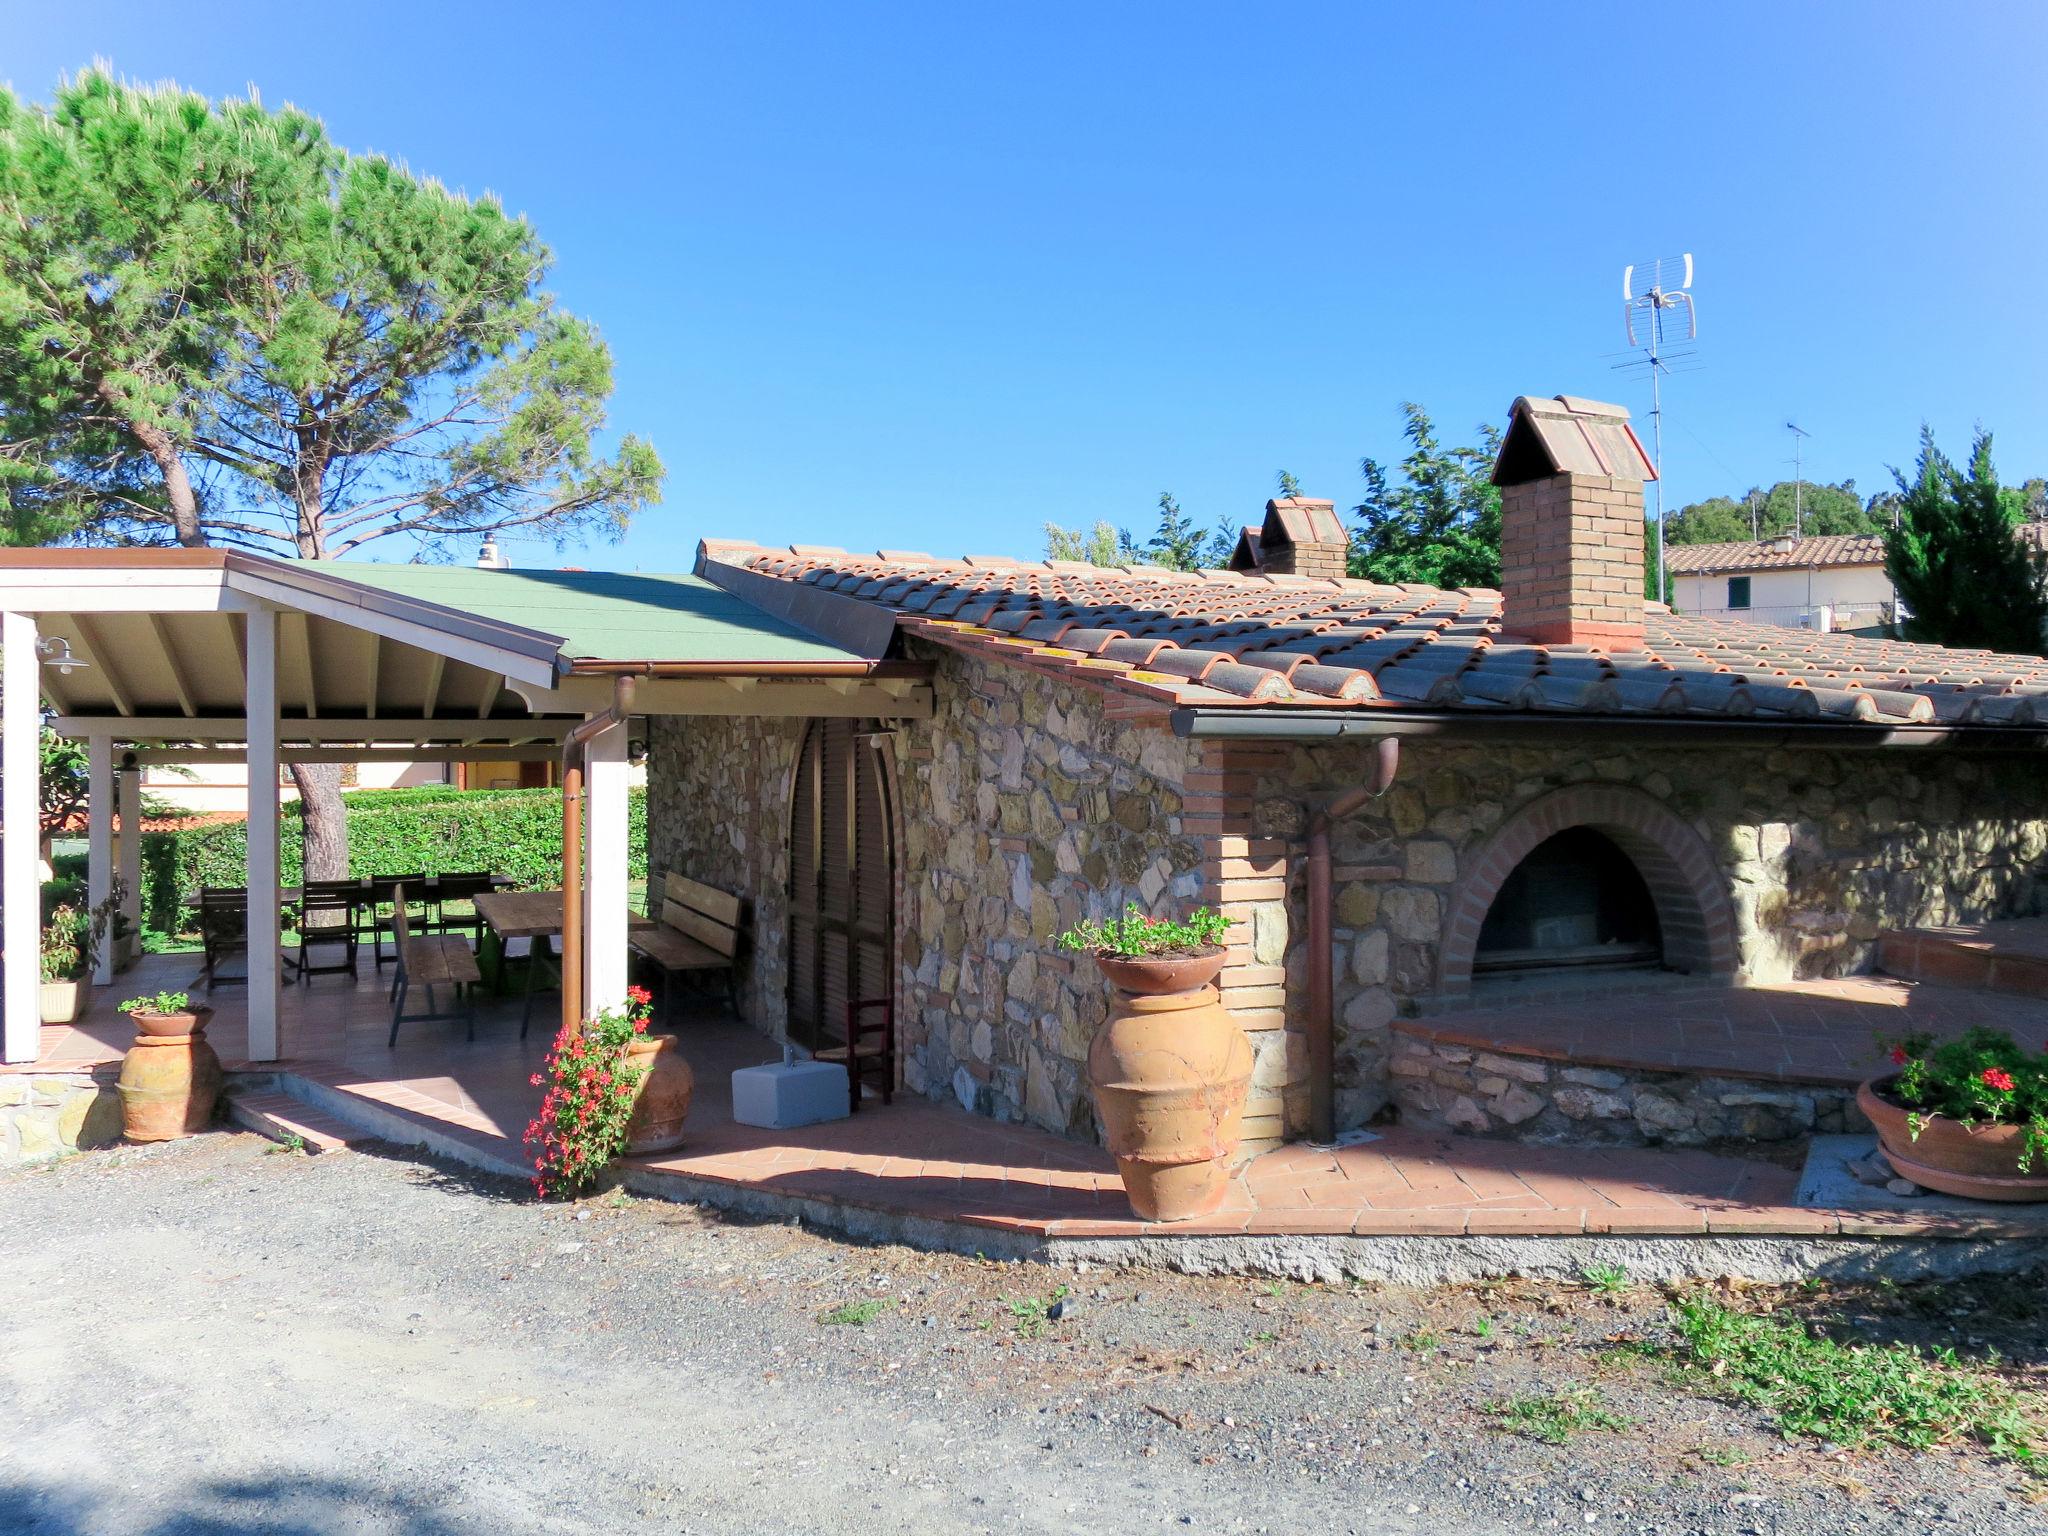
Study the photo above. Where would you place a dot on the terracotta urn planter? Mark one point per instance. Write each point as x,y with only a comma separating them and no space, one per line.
170,1078
1169,1070
1977,1161
662,1101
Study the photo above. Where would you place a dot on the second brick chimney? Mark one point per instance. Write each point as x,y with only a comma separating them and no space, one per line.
1571,476
1302,538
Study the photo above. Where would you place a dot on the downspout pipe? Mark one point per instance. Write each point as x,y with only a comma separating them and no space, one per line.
575,755
1322,989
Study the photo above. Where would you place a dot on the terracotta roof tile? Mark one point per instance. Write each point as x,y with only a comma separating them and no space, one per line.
1226,640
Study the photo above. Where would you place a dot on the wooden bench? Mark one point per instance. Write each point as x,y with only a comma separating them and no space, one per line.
698,932
430,960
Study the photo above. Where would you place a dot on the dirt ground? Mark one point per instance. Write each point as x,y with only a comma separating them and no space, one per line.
219,1337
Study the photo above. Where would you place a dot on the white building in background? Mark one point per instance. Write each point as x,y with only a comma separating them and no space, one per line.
1831,582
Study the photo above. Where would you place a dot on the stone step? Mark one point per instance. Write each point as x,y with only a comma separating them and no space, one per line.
282,1117
1986,957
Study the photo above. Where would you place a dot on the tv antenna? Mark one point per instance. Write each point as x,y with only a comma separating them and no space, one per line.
1799,436
1657,311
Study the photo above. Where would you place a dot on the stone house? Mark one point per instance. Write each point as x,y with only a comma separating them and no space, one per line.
1410,802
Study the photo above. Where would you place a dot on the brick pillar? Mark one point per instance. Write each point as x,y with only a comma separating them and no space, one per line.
1571,561
1571,477
1303,537
1245,877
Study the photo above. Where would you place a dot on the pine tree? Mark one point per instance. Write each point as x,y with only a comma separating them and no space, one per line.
1963,575
217,327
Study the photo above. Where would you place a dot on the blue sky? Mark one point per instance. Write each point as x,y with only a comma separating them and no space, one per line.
926,276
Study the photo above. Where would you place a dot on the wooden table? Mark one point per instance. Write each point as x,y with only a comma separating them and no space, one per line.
534,915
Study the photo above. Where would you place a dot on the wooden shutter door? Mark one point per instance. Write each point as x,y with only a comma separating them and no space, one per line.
841,882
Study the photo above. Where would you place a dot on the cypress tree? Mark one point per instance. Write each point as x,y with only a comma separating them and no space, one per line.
1964,576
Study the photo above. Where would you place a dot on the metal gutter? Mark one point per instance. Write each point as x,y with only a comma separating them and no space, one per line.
1255,724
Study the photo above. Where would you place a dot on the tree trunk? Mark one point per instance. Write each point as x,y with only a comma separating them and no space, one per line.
159,445
319,786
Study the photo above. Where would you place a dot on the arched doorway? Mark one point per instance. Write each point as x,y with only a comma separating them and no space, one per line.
842,879
1670,872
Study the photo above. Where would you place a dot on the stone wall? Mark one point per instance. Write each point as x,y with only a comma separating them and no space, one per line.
1815,852
47,1114
718,811
1024,807
1456,1087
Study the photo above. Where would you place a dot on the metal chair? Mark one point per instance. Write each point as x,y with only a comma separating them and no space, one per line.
336,900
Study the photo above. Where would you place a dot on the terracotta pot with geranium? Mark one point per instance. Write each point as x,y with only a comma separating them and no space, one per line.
1967,1116
1169,1069
612,1088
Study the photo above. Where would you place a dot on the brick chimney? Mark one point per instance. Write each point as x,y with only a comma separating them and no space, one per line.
1301,538
1571,476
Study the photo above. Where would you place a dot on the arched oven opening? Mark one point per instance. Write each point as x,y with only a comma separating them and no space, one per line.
1577,902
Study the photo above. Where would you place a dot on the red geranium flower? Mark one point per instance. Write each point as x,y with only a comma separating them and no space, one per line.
1898,1055
1996,1077
639,995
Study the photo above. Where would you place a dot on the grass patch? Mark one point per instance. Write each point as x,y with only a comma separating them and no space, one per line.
856,1314
1605,1279
1031,1312
1853,1394
1554,1417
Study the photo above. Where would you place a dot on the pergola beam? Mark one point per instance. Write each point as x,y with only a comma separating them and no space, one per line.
438,752
805,698
181,684
151,729
98,655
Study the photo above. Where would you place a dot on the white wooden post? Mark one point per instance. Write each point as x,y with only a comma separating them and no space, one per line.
604,874
128,847
260,701
21,888
99,844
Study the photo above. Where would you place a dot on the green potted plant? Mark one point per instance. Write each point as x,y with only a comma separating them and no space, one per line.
1169,1069
171,1077
66,964
1967,1116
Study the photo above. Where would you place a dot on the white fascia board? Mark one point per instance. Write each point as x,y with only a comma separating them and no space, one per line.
119,590
525,655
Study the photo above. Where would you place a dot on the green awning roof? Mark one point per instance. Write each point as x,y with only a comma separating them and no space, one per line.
605,615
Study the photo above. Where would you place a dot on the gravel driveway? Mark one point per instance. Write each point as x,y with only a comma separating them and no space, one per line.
216,1337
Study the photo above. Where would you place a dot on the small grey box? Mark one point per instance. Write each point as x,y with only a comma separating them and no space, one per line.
781,1094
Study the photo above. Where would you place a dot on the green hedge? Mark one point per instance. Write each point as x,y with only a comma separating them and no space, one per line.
515,832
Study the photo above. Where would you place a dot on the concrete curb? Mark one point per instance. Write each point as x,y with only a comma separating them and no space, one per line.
1418,1259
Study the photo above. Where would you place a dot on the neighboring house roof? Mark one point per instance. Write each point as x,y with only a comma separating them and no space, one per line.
1219,639
1819,552
1767,555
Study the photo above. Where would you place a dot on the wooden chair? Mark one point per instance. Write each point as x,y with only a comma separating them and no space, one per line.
429,960
698,933
372,922
466,886
869,1047
223,933
337,900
